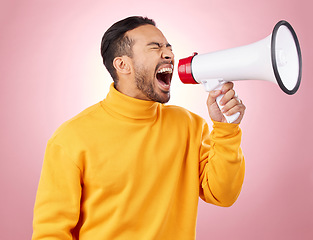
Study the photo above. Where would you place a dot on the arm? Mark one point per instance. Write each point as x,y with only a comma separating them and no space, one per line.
57,206
222,163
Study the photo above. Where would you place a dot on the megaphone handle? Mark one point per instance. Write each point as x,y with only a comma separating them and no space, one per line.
231,118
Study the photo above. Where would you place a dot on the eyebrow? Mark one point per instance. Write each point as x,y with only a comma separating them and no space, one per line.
159,44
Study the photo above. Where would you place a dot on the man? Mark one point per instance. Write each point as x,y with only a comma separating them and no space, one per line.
131,167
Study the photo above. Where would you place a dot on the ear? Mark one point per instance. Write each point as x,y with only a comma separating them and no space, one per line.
122,65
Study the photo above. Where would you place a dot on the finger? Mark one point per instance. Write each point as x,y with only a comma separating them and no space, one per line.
234,103
230,94
227,86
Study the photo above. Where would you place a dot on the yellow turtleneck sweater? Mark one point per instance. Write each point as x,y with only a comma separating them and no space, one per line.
128,169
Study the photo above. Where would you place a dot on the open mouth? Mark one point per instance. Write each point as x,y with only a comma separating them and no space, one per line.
164,77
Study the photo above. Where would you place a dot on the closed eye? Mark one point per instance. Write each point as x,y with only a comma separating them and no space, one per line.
156,45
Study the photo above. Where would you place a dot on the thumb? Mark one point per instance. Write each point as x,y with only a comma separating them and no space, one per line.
212,97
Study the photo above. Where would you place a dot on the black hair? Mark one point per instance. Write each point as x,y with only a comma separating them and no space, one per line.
115,43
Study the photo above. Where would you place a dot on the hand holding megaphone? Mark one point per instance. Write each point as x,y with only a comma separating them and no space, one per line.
276,58
217,84
230,102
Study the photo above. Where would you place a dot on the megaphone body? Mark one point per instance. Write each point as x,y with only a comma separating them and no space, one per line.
276,58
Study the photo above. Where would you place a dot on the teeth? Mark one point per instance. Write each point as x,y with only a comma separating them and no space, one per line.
167,70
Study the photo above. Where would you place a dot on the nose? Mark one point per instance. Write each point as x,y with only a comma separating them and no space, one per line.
167,54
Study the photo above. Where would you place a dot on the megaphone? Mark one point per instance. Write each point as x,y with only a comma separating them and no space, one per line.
276,58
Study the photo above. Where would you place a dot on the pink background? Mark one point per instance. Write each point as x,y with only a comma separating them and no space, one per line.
51,69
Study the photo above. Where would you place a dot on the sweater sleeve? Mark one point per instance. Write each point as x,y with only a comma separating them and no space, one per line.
57,205
222,164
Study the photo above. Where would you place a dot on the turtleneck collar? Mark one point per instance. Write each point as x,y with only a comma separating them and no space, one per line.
125,107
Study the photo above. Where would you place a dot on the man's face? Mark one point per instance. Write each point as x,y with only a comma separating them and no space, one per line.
153,63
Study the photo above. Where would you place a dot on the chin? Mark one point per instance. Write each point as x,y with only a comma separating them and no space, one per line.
165,98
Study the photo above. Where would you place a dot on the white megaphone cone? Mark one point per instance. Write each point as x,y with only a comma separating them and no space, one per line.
276,58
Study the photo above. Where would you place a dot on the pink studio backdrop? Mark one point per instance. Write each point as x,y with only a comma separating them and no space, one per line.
51,69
